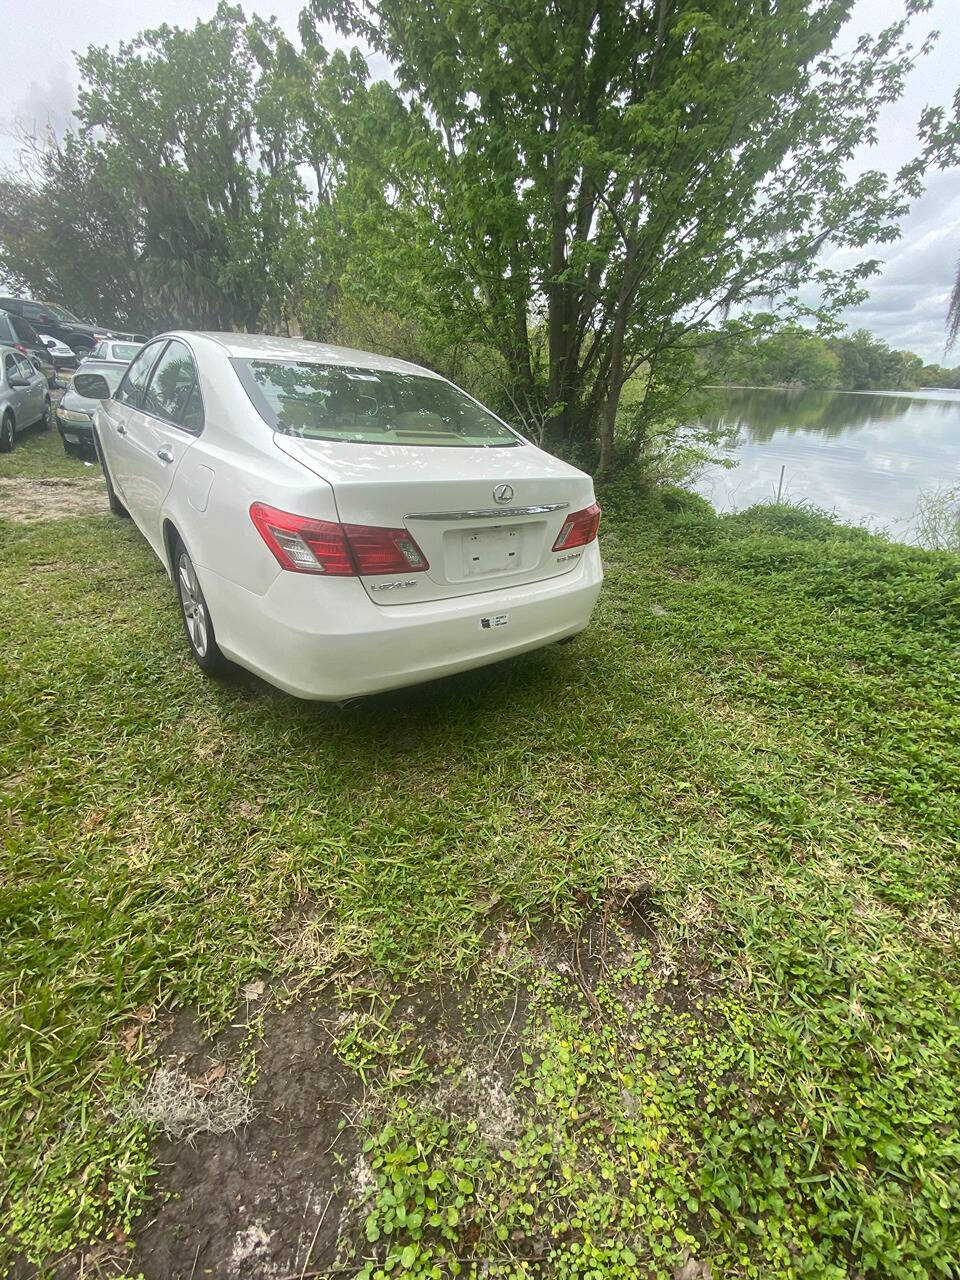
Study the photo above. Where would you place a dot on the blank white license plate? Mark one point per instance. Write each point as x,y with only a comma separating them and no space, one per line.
492,551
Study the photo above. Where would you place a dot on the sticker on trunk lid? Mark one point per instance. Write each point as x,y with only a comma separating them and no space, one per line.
494,620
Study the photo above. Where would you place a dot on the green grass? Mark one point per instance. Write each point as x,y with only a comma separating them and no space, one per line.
40,453
772,753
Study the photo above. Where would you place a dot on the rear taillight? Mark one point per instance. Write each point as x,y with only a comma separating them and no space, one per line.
21,348
384,550
303,545
579,528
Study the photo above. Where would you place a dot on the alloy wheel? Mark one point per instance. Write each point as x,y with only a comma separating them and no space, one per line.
192,603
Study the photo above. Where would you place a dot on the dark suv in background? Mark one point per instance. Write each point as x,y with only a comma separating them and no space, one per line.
58,322
17,332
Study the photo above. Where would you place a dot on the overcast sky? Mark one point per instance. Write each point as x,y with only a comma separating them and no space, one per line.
908,299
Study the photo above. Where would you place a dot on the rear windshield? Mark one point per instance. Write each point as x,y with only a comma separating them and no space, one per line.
112,372
367,406
125,350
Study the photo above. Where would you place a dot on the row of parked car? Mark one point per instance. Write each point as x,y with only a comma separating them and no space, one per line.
38,340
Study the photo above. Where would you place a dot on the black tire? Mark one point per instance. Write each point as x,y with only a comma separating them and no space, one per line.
6,433
113,502
197,623
44,423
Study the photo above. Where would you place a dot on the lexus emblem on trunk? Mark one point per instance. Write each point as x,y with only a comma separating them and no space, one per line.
503,493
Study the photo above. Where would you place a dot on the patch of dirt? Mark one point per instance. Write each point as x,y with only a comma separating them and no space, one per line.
246,1205
26,501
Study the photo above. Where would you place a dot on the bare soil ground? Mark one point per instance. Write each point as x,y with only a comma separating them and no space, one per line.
28,501
249,1203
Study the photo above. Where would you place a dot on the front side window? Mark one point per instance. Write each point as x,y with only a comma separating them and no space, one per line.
25,332
369,406
51,309
34,312
138,375
173,393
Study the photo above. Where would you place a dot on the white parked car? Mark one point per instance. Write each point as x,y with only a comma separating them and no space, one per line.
340,522
62,356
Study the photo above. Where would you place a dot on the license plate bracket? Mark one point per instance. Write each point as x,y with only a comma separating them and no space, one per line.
487,551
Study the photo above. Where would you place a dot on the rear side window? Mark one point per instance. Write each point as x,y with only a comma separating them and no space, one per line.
173,393
10,367
27,369
138,375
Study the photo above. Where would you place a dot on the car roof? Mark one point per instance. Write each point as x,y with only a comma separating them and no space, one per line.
94,365
251,346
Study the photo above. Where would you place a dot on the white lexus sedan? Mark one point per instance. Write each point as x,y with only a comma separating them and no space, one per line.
340,522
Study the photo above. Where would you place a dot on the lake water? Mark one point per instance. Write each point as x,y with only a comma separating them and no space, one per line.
864,455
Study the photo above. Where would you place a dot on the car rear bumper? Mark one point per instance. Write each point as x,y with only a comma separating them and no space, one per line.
325,639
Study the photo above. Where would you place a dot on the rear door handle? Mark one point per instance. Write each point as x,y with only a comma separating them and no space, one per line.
121,429
165,454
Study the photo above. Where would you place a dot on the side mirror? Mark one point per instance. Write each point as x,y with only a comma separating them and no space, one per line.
92,386
15,380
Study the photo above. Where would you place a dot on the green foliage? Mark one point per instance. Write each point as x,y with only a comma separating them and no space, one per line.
560,208
849,361
789,355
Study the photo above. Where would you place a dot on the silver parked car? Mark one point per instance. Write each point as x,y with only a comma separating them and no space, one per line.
75,410
24,398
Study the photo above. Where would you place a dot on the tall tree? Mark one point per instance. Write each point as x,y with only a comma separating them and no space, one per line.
172,110
620,175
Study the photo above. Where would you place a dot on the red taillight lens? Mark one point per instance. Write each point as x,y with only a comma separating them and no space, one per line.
21,348
323,546
384,550
302,545
579,528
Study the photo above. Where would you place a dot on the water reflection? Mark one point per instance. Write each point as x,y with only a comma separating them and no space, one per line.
865,455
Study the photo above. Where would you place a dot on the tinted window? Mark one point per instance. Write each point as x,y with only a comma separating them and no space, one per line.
173,393
132,387
6,329
25,332
373,406
59,313
34,312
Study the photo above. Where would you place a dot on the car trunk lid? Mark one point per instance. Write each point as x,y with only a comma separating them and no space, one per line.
484,518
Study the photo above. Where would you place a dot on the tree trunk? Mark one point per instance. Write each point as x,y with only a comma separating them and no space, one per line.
611,403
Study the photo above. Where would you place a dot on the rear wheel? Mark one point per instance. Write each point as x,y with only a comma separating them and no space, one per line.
113,502
6,433
196,616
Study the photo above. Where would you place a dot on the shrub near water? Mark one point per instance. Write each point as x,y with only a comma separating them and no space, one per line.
771,750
